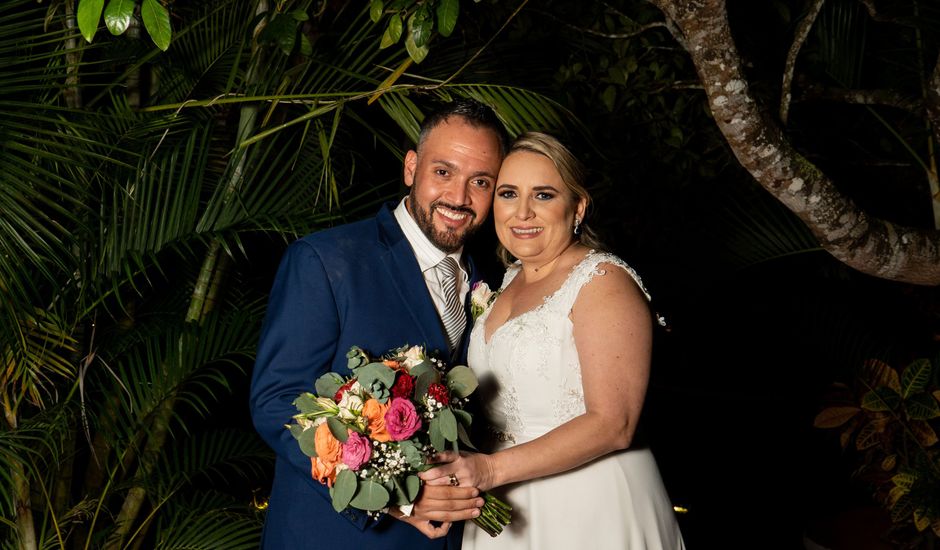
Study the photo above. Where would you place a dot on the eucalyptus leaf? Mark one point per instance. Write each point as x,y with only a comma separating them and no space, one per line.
463,417
118,14
328,384
412,486
423,367
438,441
448,424
464,438
355,358
337,428
370,496
307,440
157,22
461,381
343,489
376,372
89,13
447,12
412,454
424,381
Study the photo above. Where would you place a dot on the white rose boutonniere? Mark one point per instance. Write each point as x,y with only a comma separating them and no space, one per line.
480,298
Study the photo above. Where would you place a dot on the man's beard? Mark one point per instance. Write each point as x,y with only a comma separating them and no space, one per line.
449,240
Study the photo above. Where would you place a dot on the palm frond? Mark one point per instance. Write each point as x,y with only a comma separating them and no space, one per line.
207,521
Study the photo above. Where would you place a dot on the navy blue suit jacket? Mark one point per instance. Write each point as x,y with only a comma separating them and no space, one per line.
357,284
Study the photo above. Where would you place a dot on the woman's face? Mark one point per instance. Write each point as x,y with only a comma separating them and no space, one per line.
533,209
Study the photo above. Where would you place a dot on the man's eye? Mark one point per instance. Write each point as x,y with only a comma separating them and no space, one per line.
481,183
441,172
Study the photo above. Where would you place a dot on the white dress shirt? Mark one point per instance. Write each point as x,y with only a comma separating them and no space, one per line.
428,257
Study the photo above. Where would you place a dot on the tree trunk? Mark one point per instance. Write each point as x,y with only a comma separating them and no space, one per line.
25,528
870,245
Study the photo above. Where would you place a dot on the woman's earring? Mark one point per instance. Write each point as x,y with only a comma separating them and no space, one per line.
577,226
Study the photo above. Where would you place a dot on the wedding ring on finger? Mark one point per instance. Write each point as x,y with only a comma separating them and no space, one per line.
453,480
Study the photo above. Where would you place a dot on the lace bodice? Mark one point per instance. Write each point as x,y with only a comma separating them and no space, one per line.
532,358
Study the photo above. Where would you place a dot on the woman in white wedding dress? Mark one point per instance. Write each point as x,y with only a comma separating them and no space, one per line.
567,343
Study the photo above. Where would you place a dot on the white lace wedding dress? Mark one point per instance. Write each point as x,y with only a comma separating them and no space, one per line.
615,502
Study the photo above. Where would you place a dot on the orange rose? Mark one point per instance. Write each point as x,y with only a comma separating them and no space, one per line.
392,364
329,449
375,413
322,472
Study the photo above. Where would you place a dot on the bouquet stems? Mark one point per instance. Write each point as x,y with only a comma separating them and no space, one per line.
494,515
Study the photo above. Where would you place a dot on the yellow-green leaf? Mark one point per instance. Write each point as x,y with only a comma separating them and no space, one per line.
921,519
915,377
924,433
118,14
834,417
889,462
868,436
417,53
881,398
157,22
392,32
922,407
447,12
376,8
903,481
880,373
89,13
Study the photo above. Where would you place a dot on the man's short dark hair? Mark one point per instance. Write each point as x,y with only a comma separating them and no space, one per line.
475,113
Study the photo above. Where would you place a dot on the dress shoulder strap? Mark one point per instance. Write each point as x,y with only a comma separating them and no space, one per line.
585,271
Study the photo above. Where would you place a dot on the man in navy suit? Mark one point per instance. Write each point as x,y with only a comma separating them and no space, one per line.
375,284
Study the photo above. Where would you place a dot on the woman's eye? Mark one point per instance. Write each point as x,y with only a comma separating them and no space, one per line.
506,194
543,196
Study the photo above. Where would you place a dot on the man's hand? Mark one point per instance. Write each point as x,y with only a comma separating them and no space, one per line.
438,507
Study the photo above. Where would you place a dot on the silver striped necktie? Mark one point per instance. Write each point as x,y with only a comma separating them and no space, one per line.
453,316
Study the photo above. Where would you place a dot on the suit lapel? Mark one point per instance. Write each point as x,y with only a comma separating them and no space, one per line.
402,266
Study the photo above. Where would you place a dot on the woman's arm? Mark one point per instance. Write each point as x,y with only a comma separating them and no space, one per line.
613,334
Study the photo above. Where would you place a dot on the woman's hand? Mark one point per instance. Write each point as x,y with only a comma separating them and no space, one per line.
462,470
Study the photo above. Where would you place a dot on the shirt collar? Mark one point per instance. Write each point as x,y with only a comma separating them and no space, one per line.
426,253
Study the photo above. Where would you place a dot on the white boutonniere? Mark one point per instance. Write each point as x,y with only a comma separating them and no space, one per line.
480,298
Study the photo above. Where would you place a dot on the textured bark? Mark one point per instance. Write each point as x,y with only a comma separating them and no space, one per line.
870,245
802,31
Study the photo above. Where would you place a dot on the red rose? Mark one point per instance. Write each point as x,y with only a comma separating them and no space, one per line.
439,393
404,385
342,390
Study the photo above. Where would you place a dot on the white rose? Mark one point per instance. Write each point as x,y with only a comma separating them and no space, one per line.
413,357
350,406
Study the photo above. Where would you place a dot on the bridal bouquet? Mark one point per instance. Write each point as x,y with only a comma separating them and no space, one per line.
368,435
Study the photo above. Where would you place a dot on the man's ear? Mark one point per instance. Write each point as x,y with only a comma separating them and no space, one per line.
411,164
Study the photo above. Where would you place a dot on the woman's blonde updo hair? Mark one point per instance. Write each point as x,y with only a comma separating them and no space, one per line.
572,174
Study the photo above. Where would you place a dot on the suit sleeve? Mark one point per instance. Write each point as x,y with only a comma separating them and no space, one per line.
297,345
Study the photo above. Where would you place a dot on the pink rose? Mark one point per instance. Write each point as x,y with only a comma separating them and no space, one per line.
356,451
401,419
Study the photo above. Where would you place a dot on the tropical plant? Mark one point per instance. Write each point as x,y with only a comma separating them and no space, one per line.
138,189
889,418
